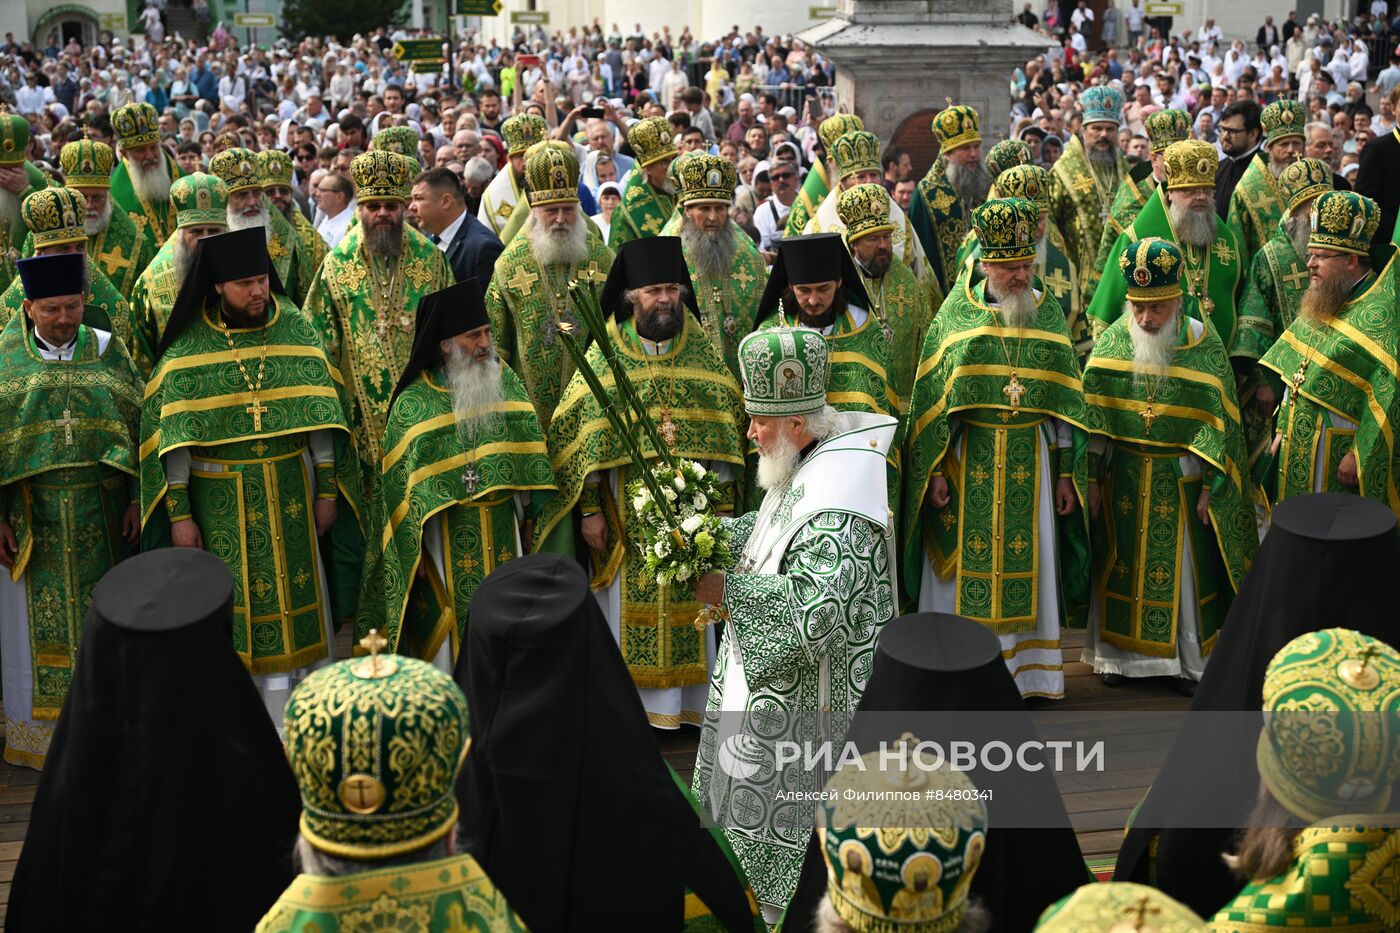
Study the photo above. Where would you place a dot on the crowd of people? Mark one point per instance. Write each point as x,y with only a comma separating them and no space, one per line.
303,341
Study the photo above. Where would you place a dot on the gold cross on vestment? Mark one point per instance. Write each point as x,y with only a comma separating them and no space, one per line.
66,423
1295,277
594,274
523,281
898,300
743,278
257,410
1013,391
505,210
112,259
1057,283
1148,416
1083,184
652,225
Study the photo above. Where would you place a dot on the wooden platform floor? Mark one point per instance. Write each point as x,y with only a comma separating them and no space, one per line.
1098,816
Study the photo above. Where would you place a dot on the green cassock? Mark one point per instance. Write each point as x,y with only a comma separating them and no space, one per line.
450,895
1342,395
104,308
1149,507
467,478
902,312
67,476
728,303
1256,206
154,221
12,238
121,252
255,511
1002,383
365,314
642,213
1081,198
941,222
1133,191
152,300
691,384
526,303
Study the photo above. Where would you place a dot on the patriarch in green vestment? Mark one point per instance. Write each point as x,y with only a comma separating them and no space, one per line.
996,461
113,241
1337,360
1087,176
464,459
649,196
681,378
18,179
248,206
957,182
1169,488
245,452
378,841
141,183
1258,203
69,416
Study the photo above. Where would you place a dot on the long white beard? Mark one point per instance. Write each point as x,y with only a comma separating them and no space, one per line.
1193,227
241,221
10,214
1018,308
1152,353
1299,227
777,466
475,387
971,182
558,246
151,185
93,226
712,254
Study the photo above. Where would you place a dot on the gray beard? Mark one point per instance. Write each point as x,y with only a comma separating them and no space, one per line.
777,467
10,214
970,182
475,387
240,221
1018,308
1299,229
1276,168
712,254
93,226
150,185
1152,353
1042,248
386,243
1104,159
558,246
184,258
1193,228
666,187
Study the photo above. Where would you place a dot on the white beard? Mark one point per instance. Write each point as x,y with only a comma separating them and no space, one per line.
93,226
475,388
1193,228
972,183
1152,353
1041,249
1300,229
1018,309
777,466
712,254
558,247
240,221
150,185
10,215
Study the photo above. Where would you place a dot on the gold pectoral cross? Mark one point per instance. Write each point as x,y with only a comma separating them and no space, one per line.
1296,380
1148,416
66,423
257,410
668,429
1013,391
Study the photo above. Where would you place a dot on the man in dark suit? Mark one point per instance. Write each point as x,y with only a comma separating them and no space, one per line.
1377,178
440,208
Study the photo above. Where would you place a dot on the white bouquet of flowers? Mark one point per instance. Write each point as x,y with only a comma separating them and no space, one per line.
682,538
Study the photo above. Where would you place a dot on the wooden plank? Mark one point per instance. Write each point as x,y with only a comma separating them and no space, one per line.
23,793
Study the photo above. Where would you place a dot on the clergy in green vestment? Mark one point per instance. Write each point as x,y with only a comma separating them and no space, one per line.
201,210
681,378
141,183
530,294
463,472
70,411
1169,487
378,844
113,241
18,179
248,207
365,295
1087,176
275,168
649,196
956,183
1164,127
901,308
1257,204
817,184
1338,364
725,265
1007,154
55,218
245,452
520,133
996,461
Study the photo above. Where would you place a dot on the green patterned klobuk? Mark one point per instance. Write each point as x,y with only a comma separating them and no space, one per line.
1081,200
728,303
1351,373
642,213
64,496
426,457
966,369
1149,508
197,399
527,301
659,643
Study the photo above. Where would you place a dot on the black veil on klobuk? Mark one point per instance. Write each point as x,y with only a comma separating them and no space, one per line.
651,260
803,260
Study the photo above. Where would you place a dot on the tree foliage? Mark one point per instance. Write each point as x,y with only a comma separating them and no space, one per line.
339,18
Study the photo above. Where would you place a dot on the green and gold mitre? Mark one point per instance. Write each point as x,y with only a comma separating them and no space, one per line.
1027,182
1303,180
199,199
1165,127
1119,907
275,168
14,137
705,179
1283,119
904,865
1190,163
522,131
400,139
551,175
55,216
1152,269
857,151
87,163
957,125
1006,154
375,744
382,176
651,140
1331,738
1345,222
136,125
1005,229
238,167
836,126
864,209
784,371
1102,103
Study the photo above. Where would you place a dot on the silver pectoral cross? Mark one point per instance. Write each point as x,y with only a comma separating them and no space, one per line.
470,477
66,423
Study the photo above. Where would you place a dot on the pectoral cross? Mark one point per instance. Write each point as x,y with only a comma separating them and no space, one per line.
1148,416
469,476
1014,390
1296,276
66,423
257,410
1296,380
668,429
